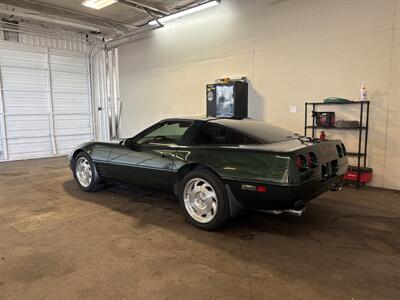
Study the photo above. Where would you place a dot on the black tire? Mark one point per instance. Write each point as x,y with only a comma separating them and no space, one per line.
96,182
222,214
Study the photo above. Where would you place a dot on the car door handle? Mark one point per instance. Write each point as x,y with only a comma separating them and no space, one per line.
166,155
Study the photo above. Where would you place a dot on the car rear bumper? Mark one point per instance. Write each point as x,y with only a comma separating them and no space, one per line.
281,197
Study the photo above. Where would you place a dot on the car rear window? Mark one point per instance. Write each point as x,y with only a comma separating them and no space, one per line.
215,134
259,130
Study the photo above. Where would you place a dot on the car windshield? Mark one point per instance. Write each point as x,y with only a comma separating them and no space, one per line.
166,133
258,129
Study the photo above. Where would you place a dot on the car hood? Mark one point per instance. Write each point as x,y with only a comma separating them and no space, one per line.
88,144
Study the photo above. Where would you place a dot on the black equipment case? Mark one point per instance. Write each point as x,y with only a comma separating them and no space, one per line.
227,99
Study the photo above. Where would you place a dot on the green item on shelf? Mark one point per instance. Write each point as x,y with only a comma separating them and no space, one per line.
336,100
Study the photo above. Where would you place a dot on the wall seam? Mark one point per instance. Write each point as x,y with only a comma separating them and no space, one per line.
390,96
253,46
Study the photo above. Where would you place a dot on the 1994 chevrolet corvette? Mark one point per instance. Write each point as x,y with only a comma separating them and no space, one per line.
217,167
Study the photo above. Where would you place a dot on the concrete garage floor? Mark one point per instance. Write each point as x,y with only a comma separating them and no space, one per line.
57,242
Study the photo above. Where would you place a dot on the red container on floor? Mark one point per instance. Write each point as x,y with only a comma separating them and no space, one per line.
365,174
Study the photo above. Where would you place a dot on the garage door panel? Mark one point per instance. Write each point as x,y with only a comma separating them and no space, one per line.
70,103
72,124
63,82
68,64
46,102
66,143
29,102
19,79
22,59
1,144
27,126
29,148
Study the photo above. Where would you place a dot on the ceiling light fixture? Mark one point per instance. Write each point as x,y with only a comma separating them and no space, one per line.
185,12
98,4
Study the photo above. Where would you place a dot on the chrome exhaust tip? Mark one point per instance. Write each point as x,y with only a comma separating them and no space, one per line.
337,187
294,212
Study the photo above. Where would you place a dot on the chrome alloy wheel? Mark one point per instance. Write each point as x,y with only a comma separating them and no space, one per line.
200,200
83,172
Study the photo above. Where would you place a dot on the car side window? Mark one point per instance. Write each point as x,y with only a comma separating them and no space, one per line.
169,132
215,134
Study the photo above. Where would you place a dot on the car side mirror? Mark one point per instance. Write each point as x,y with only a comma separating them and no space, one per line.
126,142
135,147
132,145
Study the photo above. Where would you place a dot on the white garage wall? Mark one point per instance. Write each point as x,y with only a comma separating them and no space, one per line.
291,51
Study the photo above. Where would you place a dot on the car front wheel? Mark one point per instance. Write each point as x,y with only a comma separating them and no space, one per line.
85,173
203,199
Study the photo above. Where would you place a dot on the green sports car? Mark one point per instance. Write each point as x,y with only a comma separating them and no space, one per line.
217,167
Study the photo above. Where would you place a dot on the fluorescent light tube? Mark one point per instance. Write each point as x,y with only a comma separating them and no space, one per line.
185,12
98,4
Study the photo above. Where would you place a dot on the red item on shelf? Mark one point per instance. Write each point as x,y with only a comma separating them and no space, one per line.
322,136
324,119
365,174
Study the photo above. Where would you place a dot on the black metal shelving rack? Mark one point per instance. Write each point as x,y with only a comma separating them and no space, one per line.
362,138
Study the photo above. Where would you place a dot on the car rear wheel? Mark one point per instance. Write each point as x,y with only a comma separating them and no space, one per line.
85,173
203,199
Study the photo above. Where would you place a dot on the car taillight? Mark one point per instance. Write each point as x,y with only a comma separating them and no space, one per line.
339,150
261,189
301,163
344,150
312,160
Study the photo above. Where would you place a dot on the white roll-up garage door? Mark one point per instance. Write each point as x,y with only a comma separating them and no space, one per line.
45,106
